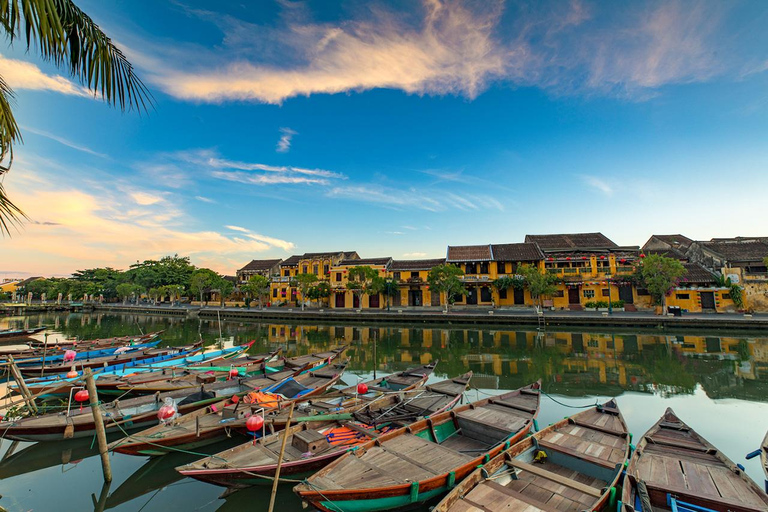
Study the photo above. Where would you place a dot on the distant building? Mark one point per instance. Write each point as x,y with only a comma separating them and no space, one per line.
266,268
341,297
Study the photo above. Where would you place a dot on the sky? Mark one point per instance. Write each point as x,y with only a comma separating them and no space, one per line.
392,129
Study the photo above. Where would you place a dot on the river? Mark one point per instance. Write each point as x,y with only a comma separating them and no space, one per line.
718,384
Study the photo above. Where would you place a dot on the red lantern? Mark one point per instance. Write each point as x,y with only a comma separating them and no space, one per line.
362,388
568,258
602,257
551,259
69,355
583,257
71,374
81,396
254,423
622,260
642,255
166,412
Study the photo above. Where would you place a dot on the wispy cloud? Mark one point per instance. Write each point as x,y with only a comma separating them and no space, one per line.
205,199
402,199
284,144
415,255
395,233
145,198
62,140
238,228
598,184
24,75
451,47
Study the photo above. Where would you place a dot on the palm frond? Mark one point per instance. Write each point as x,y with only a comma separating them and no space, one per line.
66,36
9,133
9,213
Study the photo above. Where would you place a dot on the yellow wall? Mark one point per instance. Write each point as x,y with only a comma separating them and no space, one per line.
9,287
693,302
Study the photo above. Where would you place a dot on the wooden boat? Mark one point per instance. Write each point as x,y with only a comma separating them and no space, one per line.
216,422
764,459
313,443
421,462
34,349
12,334
674,468
313,359
100,342
58,356
95,362
128,414
581,469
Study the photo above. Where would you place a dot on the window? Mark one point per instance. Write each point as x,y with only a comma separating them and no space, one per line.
274,292
304,269
470,268
485,294
414,275
315,269
605,292
642,291
726,296
501,267
685,296
484,267
559,293
326,269
503,293
589,294
396,275
338,276
286,273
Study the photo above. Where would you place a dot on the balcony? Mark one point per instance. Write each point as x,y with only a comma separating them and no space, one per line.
624,269
585,270
475,278
755,276
414,280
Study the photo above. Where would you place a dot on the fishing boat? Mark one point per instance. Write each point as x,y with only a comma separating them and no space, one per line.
99,342
424,460
128,414
674,468
312,359
313,442
118,357
34,349
12,334
57,357
215,423
574,464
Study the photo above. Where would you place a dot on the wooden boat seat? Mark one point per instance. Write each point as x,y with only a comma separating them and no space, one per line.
560,479
733,504
499,489
490,424
575,453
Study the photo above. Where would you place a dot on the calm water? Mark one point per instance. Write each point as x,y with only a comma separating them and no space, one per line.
716,383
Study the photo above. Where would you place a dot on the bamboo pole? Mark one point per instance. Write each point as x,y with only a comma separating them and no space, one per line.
280,459
45,353
98,421
23,389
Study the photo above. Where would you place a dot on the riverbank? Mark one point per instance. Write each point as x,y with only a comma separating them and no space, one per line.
475,316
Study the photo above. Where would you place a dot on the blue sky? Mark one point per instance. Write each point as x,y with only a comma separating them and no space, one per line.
393,128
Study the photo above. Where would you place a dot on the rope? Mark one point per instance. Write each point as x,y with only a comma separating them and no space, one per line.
548,396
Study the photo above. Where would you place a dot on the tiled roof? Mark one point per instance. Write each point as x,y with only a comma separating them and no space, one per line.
571,241
366,261
695,273
516,252
469,253
675,240
231,279
261,265
292,261
669,253
398,265
23,283
738,251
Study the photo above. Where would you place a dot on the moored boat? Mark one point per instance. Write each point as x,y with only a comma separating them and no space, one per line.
13,334
213,423
574,464
422,461
674,468
312,444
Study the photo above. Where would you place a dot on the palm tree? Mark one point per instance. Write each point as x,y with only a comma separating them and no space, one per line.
66,36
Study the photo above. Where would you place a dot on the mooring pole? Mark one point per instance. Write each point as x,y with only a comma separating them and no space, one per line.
23,389
280,459
45,352
98,421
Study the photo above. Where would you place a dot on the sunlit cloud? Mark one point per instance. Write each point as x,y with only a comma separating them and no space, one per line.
145,198
24,75
284,144
238,228
205,199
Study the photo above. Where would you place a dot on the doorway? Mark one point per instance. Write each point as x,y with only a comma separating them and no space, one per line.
340,300
519,294
707,300
471,295
414,298
573,296
625,294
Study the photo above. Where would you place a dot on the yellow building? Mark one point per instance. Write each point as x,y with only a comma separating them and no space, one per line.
341,297
411,276
9,286
317,263
281,289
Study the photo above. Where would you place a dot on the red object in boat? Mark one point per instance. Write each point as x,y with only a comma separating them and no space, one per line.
69,355
362,388
165,413
81,396
233,373
71,374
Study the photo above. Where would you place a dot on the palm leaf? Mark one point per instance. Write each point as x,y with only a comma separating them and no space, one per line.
66,36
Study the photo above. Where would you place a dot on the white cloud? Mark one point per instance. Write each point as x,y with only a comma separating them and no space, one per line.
205,199
145,198
62,140
415,255
24,75
598,184
284,144
238,228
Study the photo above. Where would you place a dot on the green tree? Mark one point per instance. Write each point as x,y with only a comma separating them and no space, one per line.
539,284
66,36
506,282
203,280
360,280
659,274
124,291
169,270
445,279
225,287
319,292
257,287
105,280
304,282
387,286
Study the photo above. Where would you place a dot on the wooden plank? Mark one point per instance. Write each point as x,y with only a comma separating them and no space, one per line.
698,479
688,496
568,451
520,496
540,471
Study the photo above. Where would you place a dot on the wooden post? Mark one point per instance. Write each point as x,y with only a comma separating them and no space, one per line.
23,389
45,352
98,421
280,459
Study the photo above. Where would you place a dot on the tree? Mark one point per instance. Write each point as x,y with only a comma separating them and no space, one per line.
360,280
125,290
169,270
659,274
202,281
445,279
388,286
322,290
66,36
225,287
507,282
539,284
258,287
304,282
